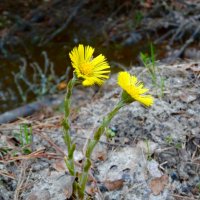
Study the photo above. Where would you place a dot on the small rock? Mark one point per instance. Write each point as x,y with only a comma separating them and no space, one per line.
157,185
152,167
174,176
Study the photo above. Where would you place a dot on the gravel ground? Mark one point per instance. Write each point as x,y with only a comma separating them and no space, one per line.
154,154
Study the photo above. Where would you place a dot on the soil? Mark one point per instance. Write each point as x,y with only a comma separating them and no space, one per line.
154,154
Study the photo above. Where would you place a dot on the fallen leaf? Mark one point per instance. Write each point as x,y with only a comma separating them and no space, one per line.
62,85
187,98
114,185
157,185
59,166
100,152
91,189
101,156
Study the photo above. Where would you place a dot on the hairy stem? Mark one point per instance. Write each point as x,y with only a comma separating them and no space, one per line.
91,145
69,160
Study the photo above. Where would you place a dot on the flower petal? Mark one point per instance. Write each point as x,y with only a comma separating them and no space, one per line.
88,53
134,88
92,70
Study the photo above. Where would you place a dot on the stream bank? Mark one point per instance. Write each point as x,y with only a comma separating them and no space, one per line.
120,29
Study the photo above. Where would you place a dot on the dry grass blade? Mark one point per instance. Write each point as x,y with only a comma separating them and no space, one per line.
50,142
33,155
7,174
179,197
21,180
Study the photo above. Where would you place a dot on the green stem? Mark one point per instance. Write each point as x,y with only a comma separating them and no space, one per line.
91,145
84,178
66,126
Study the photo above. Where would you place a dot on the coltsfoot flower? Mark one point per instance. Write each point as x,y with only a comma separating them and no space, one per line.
134,89
92,70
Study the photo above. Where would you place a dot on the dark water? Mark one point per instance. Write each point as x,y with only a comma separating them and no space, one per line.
57,52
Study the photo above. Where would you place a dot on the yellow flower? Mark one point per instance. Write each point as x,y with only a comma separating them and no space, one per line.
92,70
134,88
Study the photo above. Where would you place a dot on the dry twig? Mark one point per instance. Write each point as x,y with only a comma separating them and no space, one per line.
21,180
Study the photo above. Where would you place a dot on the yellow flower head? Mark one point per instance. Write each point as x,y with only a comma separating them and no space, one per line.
134,88
92,70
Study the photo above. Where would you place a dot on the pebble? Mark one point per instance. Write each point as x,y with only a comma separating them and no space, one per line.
152,167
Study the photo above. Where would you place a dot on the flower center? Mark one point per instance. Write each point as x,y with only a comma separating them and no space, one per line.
86,68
